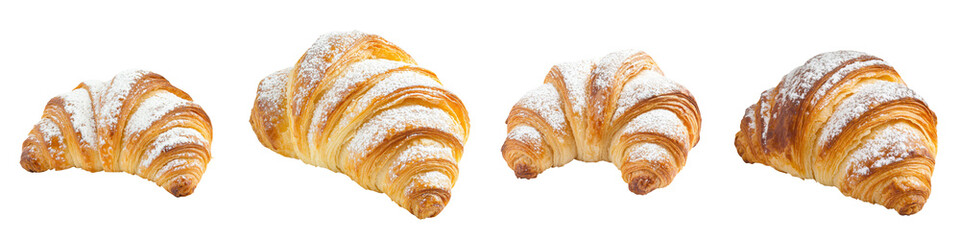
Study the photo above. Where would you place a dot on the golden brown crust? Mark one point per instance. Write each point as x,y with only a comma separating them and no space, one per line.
847,120
357,104
92,130
619,109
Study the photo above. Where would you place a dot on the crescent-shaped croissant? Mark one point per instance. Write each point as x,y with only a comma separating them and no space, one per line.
619,108
846,119
357,104
136,123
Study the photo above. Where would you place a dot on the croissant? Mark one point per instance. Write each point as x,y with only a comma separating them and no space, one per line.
136,123
619,108
357,104
846,119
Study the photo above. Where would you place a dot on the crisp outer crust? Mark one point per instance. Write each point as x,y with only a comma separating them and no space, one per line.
357,104
846,119
618,108
136,123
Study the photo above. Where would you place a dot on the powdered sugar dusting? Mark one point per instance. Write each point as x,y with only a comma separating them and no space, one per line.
748,114
432,179
840,74
312,69
77,104
151,110
545,101
765,112
606,71
889,145
607,67
271,92
647,152
167,141
112,100
575,76
344,84
660,121
51,132
49,129
397,120
174,165
799,82
525,134
392,82
644,86
866,97
419,152
95,89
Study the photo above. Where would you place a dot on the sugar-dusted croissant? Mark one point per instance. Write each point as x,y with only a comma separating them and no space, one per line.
619,108
846,119
136,123
357,104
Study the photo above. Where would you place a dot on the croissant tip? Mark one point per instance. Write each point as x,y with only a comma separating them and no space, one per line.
642,185
30,163
524,171
181,187
910,209
910,197
427,205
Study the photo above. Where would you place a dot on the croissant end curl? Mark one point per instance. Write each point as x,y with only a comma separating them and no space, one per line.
619,108
846,119
136,123
357,104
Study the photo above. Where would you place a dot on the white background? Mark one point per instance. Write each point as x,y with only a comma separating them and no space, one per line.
490,54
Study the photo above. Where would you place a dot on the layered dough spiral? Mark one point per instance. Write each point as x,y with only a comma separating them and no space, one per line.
357,104
619,108
136,123
846,119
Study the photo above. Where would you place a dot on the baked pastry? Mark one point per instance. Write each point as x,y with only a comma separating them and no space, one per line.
136,123
619,108
357,104
846,119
